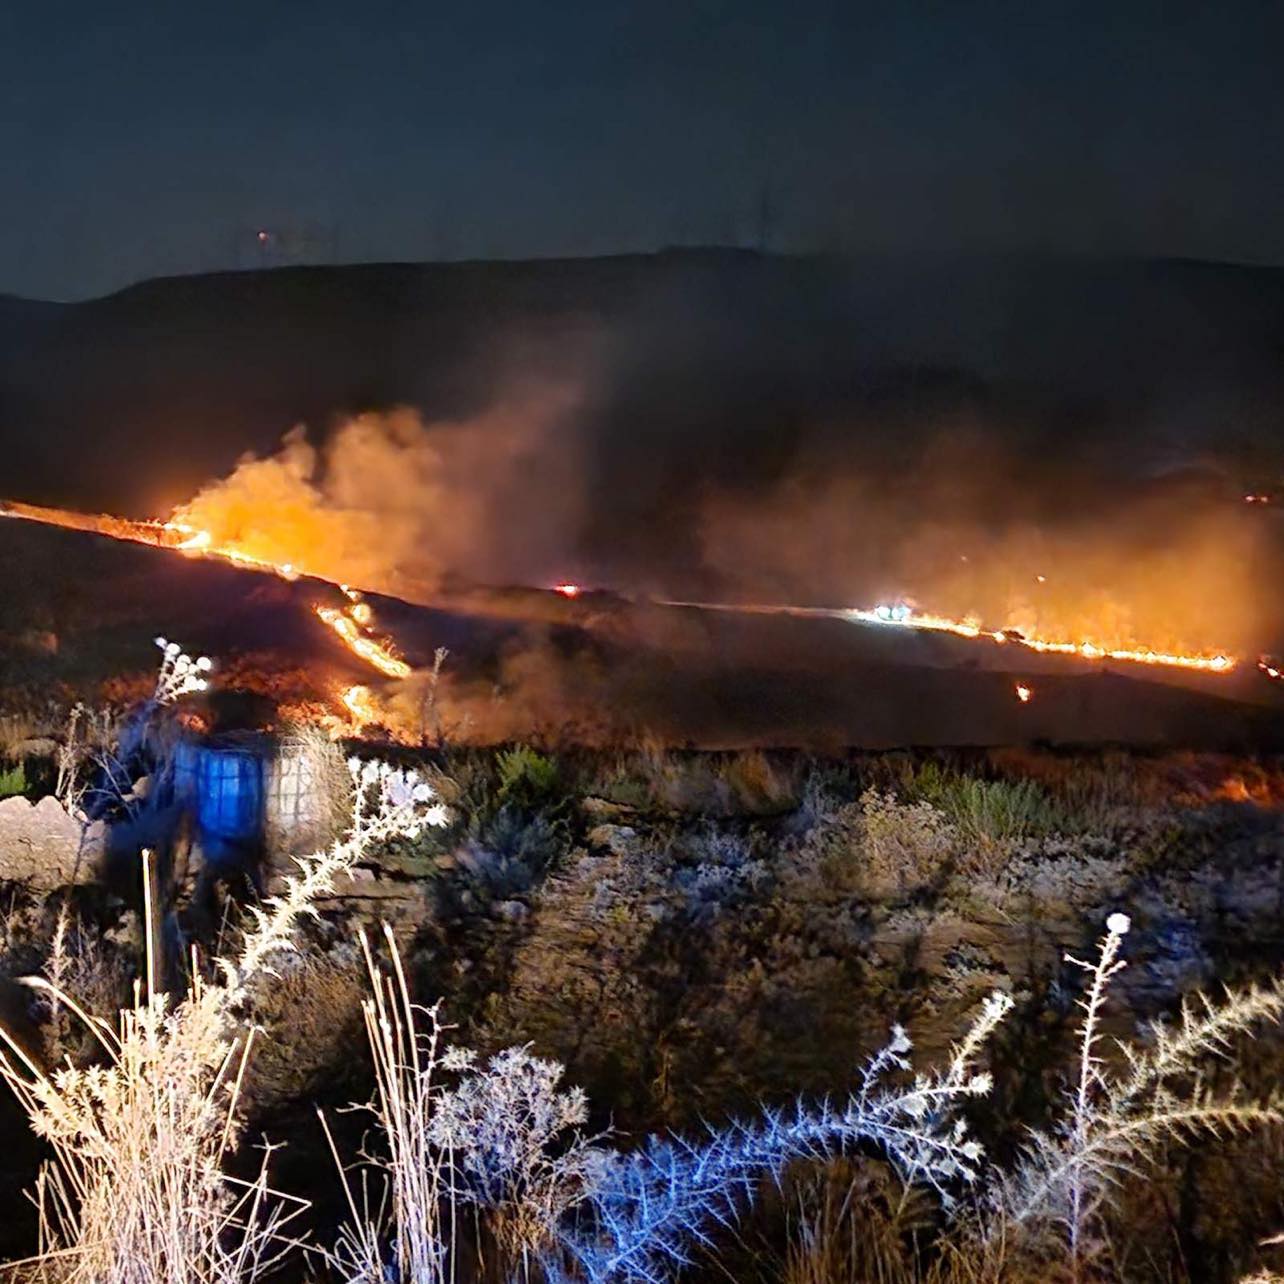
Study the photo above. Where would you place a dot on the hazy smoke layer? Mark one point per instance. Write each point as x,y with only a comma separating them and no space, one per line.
944,511
970,529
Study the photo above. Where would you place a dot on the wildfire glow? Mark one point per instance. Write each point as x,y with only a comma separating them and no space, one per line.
201,543
903,616
1023,693
352,625
355,624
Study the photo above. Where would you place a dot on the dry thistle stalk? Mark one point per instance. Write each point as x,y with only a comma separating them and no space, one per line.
1117,1121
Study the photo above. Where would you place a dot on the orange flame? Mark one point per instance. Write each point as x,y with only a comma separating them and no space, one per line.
374,652
902,616
201,543
1023,693
1086,649
354,625
360,706
351,626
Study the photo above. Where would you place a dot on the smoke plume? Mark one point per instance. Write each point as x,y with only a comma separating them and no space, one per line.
393,504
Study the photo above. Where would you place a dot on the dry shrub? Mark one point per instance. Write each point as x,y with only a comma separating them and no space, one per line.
906,845
15,730
89,736
505,1138
654,778
92,977
758,785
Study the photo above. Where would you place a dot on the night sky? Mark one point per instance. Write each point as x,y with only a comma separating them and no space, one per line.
149,139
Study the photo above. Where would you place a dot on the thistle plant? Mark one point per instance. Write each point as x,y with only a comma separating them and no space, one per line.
180,674
649,1206
515,1146
136,1191
1118,1121
506,1139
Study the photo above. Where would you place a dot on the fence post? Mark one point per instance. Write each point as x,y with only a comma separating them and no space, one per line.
152,924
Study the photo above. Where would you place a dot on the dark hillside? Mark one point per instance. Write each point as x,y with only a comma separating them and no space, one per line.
131,401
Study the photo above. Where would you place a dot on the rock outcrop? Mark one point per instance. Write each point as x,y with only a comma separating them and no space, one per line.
45,847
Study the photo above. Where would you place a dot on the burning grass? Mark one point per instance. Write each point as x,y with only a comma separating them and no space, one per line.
354,623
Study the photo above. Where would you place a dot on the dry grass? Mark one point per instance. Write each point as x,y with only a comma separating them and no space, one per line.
404,1040
15,730
653,778
851,1222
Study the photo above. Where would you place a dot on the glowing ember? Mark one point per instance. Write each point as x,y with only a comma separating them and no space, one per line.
567,590
374,652
1023,693
1272,667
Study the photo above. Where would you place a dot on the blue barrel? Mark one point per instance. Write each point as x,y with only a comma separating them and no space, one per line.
229,794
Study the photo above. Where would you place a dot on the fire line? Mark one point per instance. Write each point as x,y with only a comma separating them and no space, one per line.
901,616
354,625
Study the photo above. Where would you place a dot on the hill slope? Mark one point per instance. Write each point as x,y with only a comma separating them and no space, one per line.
134,399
